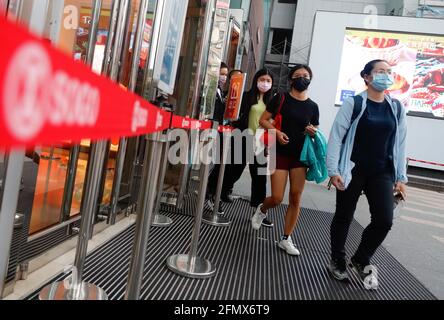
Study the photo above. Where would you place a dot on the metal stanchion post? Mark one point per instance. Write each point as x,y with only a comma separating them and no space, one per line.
77,289
144,217
158,219
70,181
9,194
150,173
123,142
210,11
190,265
215,219
75,149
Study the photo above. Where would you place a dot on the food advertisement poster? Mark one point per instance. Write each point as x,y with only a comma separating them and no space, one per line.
417,62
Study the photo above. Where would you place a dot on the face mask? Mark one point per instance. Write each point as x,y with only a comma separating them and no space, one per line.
222,80
382,81
264,86
301,84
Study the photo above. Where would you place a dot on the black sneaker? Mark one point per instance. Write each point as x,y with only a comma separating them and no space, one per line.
338,269
367,273
267,223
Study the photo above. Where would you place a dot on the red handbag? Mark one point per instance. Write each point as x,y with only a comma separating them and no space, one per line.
277,123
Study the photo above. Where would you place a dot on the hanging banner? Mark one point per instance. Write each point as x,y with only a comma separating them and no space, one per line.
46,97
234,97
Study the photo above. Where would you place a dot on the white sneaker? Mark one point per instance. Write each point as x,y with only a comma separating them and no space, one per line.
258,217
288,246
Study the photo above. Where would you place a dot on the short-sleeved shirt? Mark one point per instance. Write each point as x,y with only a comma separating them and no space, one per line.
255,115
375,138
296,116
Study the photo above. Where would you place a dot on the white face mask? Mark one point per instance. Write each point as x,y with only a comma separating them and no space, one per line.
222,80
264,86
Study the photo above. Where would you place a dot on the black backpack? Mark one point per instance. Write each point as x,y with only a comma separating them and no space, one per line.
357,107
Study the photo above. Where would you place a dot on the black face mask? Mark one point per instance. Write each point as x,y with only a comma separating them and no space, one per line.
300,84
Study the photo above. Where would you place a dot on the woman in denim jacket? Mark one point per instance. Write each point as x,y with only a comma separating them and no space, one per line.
367,154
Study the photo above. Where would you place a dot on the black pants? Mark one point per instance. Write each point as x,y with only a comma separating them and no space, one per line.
379,191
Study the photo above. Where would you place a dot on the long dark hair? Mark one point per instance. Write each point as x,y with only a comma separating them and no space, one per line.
253,94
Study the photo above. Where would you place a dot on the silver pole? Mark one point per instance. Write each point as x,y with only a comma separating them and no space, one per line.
115,44
190,265
80,290
119,37
111,36
228,38
204,172
148,90
9,194
88,207
123,142
282,64
92,38
143,220
150,173
158,219
70,181
216,219
143,9
201,67
75,149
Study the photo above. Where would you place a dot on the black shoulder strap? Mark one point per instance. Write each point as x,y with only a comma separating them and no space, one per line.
357,107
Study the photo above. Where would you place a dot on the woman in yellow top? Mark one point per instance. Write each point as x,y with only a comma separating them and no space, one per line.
253,106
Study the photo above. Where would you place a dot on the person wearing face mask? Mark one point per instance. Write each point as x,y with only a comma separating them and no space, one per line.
253,105
219,112
300,116
219,107
366,152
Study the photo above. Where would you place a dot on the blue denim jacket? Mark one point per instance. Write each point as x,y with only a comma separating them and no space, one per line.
339,154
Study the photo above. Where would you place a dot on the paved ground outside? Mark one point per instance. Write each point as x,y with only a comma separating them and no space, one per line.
416,239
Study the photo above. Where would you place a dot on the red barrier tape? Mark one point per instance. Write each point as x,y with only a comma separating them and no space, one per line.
189,123
225,129
426,162
47,98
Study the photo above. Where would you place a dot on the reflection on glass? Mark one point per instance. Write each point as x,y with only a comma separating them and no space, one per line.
52,171
49,188
216,52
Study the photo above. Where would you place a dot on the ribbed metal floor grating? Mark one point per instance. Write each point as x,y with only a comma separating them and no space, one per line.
250,266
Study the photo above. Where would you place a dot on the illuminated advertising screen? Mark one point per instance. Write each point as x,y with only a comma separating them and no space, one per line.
417,62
